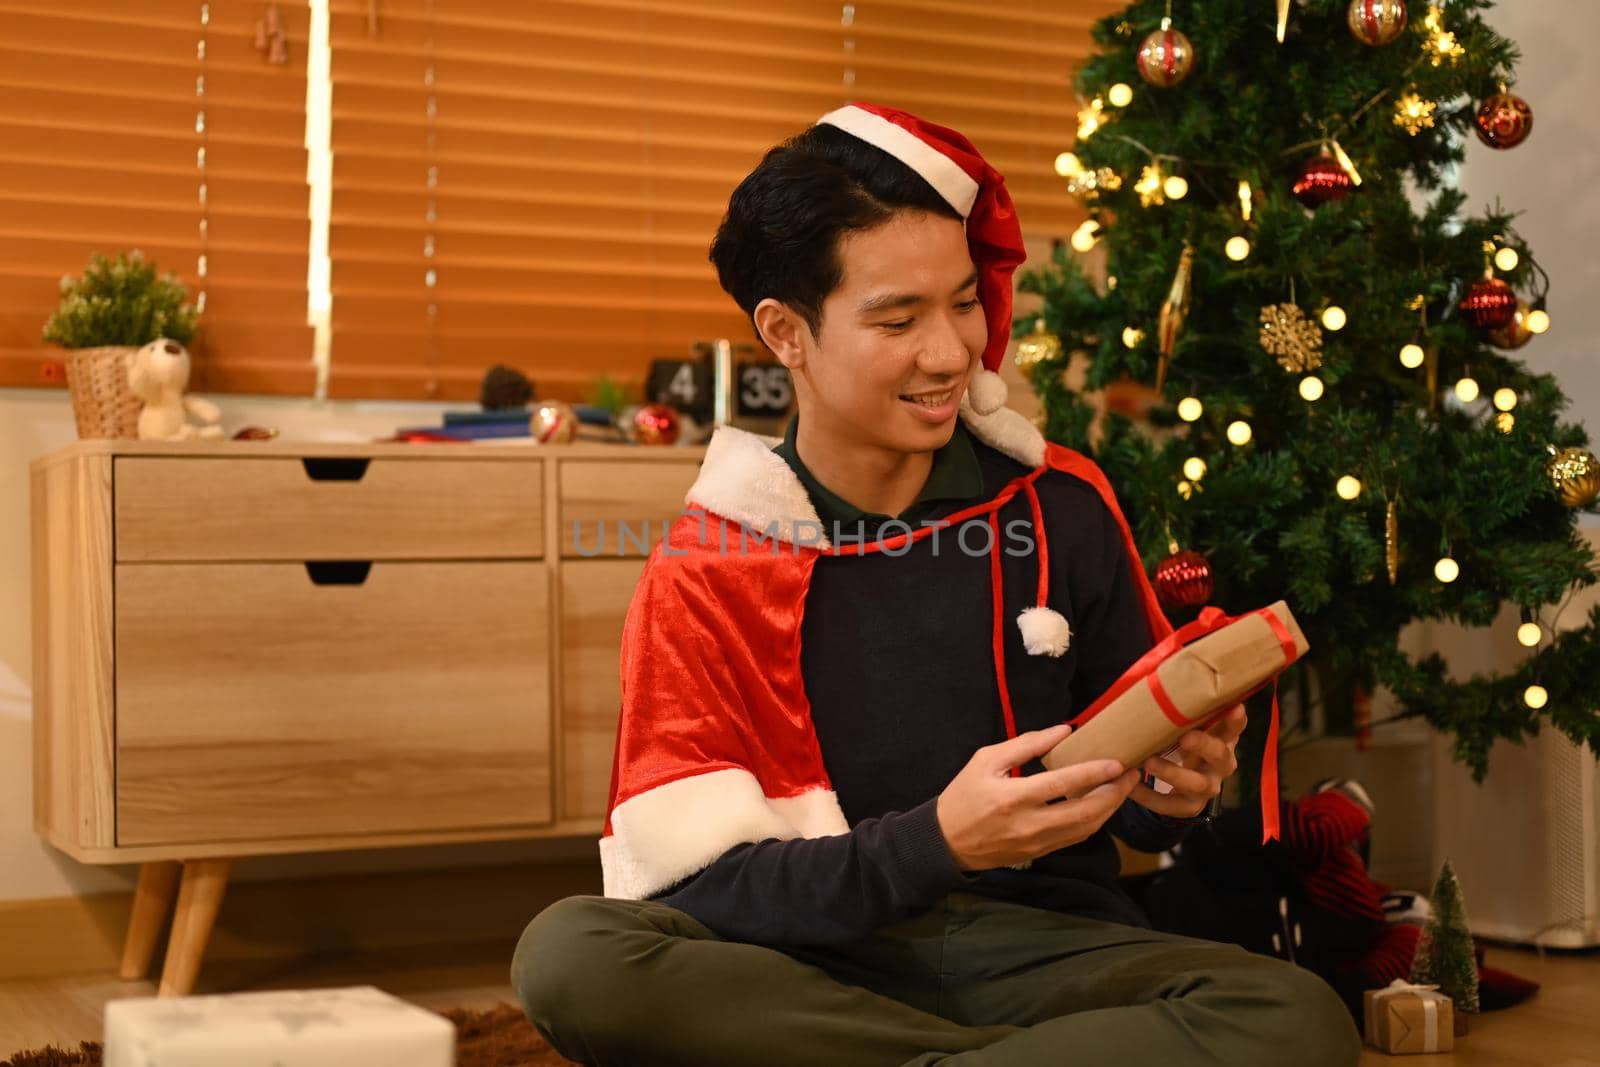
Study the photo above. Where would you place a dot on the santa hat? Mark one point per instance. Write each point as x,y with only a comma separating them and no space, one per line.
948,162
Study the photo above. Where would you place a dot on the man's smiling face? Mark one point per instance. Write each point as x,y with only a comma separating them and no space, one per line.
900,337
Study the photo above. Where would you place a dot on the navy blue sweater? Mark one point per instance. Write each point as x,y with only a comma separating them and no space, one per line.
895,653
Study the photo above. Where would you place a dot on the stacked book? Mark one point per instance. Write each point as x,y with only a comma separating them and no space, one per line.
503,426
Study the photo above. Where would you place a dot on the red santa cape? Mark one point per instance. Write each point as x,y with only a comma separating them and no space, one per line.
715,744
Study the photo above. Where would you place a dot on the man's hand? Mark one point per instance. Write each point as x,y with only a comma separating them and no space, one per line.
1206,759
990,819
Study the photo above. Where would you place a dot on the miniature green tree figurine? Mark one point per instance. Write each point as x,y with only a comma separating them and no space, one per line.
1444,953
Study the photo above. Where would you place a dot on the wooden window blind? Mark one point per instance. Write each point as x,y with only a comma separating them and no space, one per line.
538,184
1001,73
100,148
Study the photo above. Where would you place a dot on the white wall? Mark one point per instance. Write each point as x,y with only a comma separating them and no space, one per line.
1554,179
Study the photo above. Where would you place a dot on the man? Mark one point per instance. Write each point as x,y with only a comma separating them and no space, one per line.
830,840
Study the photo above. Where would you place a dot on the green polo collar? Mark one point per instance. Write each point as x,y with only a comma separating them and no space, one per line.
955,476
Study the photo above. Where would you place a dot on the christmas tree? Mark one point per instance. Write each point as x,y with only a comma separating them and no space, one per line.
1444,952
1337,415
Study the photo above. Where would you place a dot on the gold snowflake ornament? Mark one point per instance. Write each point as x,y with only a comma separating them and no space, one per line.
1149,186
1293,339
1442,44
1413,113
1088,184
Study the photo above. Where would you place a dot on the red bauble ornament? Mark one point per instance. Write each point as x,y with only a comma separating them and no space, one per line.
1490,304
1165,57
1321,180
655,424
1183,580
1504,120
1376,22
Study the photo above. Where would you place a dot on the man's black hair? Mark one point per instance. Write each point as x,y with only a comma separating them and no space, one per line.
780,237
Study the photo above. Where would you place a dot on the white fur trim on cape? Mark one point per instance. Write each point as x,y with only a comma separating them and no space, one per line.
959,189
664,835
988,392
1044,631
743,480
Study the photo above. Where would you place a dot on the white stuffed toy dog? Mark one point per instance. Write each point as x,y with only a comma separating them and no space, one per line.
158,375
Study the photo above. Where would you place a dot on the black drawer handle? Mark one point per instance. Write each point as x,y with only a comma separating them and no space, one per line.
338,571
329,469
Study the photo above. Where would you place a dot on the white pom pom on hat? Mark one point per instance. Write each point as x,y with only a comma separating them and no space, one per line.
987,392
1044,631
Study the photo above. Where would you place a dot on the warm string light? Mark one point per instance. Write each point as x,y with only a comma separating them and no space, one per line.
430,275
1120,94
1239,432
1536,696
1348,487
1194,468
1246,200
1411,356
1505,399
1311,388
1447,570
1190,409
1175,187
1538,321
1507,259
1334,318
202,266
1086,236
1132,337
1529,634
1237,249
1467,390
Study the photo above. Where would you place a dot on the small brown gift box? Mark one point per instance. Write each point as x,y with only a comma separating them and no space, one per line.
1405,1018
1149,708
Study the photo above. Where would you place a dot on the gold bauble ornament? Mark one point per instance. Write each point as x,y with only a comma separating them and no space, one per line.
1038,346
1294,339
1575,473
553,422
1516,333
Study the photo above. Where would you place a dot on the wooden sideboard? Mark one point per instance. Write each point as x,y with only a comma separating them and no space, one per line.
253,648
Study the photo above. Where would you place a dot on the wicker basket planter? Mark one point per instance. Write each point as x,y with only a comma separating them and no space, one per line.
103,405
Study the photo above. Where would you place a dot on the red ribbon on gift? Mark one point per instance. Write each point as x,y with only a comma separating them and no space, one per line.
1143,670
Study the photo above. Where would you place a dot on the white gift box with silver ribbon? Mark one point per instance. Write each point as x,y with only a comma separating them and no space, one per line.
296,1028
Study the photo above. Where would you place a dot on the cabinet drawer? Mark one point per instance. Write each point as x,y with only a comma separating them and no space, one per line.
612,508
261,701
594,604
207,508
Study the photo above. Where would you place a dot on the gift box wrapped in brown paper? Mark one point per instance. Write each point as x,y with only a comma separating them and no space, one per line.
1406,1018
1190,685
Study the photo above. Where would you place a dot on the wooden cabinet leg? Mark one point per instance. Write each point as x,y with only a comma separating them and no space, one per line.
152,903
198,900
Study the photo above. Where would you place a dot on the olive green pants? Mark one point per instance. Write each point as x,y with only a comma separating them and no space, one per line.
970,981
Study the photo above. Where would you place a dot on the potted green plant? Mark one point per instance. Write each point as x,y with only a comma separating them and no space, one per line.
105,315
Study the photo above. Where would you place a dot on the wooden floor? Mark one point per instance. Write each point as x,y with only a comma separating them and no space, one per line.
1559,1027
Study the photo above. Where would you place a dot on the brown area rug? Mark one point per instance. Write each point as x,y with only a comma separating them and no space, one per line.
499,1037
